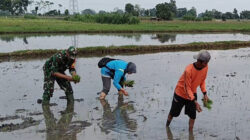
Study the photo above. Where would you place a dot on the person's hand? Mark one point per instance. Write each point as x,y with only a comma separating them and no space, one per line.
124,91
205,98
198,107
69,78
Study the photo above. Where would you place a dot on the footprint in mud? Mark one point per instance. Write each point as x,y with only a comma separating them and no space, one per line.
20,110
231,74
9,118
35,113
27,122
144,117
77,100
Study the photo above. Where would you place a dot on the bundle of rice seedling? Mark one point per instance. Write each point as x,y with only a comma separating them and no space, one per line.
128,83
208,104
76,78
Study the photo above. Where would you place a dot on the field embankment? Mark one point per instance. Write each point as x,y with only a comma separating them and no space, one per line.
115,50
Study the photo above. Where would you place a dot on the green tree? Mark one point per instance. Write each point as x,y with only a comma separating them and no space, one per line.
236,15
164,11
88,12
15,7
192,12
137,10
173,7
181,12
129,8
217,14
146,12
36,9
102,12
152,12
245,14
66,12
228,15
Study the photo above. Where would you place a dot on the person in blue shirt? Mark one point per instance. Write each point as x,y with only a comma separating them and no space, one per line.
116,70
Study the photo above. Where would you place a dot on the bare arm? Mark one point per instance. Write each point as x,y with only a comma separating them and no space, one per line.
63,76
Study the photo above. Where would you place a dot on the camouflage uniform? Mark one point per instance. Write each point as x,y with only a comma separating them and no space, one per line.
57,63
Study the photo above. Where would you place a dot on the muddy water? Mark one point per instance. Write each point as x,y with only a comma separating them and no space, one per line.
9,43
142,115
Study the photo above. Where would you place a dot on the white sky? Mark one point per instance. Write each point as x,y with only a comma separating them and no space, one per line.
200,5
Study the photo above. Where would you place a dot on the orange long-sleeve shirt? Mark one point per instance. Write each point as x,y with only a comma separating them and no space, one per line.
190,80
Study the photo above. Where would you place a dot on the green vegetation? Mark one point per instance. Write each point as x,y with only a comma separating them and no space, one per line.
21,25
76,78
124,50
29,16
208,104
112,18
128,83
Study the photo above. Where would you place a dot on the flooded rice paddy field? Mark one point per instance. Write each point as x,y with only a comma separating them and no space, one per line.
141,115
10,43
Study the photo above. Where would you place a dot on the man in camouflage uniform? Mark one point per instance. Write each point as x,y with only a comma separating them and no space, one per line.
54,69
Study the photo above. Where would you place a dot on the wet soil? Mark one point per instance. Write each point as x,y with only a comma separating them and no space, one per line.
141,115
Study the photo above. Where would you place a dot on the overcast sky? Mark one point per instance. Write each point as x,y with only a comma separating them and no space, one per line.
200,5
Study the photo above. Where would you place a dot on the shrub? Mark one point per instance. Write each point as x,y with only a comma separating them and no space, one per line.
108,18
29,16
189,17
207,18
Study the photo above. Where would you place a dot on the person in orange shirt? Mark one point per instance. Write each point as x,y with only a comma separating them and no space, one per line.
185,92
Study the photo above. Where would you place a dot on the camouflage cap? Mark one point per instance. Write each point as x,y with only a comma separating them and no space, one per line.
72,52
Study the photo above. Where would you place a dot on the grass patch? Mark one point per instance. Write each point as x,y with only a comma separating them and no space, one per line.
21,25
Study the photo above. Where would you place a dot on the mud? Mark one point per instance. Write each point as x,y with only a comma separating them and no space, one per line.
9,118
27,122
141,115
76,100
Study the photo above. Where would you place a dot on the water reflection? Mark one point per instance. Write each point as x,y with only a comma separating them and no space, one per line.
64,128
137,37
15,42
165,37
7,38
118,120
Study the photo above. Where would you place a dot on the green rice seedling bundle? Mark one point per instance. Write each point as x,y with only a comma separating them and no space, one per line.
129,83
76,78
208,104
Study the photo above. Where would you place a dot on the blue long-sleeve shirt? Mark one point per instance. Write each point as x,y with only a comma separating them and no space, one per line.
119,67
